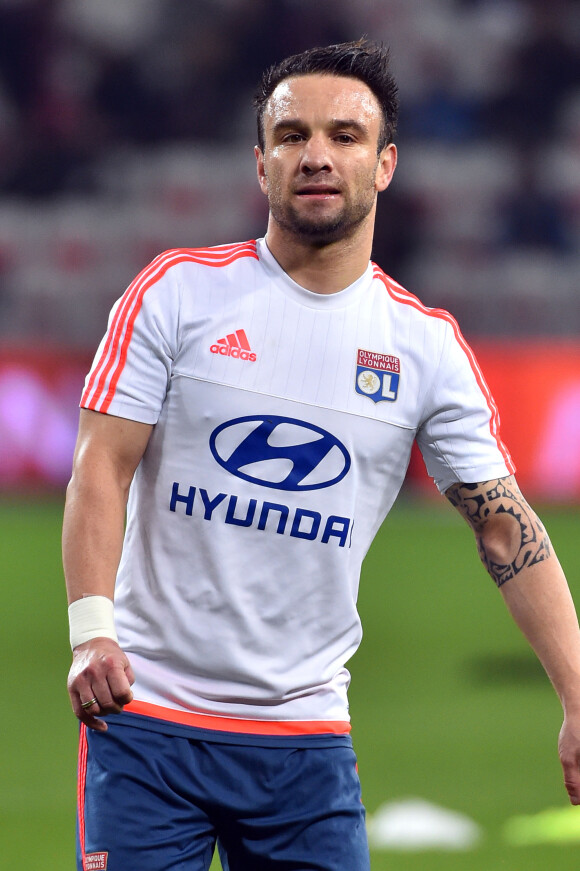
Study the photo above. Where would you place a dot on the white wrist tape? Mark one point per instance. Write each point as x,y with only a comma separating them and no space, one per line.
91,617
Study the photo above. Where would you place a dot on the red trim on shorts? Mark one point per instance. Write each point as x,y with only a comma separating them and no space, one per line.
399,294
238,725
81,783
102,384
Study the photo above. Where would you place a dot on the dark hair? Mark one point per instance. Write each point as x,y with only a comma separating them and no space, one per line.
362,59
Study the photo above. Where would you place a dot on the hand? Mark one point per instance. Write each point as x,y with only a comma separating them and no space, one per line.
100,671
569,750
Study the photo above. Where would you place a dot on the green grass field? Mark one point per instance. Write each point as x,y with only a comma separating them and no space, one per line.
447,702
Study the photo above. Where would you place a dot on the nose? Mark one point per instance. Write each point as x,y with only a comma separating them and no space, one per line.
316,155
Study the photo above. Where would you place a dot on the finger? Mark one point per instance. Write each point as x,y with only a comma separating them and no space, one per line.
79,696
112,691
120,686
105,703
89,703
571,768
572,784
130,674
87,713
92,721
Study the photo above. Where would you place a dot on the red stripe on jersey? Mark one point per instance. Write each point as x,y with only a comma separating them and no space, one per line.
238,725
81,784
399,294
101,387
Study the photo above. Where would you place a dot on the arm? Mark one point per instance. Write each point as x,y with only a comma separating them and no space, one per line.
107,453
518,555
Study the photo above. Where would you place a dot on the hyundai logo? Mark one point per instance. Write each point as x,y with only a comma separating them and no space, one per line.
280,452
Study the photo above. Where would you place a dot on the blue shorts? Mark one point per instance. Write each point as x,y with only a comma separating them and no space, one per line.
159,802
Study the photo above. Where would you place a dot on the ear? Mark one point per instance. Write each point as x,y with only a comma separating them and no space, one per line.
262,180
386,167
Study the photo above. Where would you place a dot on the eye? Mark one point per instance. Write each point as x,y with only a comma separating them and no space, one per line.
293,137
344,138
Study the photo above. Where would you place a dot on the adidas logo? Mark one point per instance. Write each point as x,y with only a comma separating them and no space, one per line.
234,345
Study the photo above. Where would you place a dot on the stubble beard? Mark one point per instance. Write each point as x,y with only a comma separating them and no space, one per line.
322,230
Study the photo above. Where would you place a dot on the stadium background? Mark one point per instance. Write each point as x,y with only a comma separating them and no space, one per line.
126,128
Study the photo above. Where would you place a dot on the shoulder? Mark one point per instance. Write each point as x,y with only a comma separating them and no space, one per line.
216,256
436,324
164,275
410,303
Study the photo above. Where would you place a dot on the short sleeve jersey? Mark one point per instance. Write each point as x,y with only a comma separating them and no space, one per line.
283,426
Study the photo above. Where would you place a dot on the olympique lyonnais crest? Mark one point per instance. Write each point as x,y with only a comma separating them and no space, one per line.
377,376
95,861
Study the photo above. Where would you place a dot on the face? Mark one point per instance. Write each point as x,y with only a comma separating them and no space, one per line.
320,168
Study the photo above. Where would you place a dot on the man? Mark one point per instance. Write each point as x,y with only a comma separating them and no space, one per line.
257,404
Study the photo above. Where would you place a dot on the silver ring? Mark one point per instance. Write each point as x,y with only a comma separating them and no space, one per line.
86,705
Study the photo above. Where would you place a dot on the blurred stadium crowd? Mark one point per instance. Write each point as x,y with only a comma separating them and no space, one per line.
126,127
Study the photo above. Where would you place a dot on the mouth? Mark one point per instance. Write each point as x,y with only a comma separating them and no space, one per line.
317,192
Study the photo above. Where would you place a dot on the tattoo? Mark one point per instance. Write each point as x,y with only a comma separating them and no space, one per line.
478,503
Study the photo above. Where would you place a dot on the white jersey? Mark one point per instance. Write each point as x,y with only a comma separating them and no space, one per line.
284,421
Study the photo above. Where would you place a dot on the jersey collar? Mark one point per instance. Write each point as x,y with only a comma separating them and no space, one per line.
341,299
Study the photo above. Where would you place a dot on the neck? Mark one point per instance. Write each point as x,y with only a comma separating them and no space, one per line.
321,269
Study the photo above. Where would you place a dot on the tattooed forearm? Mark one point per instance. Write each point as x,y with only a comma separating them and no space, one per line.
483,505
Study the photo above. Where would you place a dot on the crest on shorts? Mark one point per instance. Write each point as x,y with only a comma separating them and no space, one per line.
95,861
377,376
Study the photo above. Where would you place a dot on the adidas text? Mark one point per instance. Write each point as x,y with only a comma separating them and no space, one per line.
238,353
